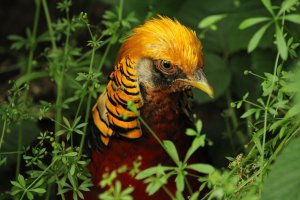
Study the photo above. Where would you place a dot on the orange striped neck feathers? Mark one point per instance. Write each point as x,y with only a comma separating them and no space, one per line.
153,60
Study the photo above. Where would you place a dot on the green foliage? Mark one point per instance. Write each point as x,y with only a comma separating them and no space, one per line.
280,184
64,164
265,137
156,177
286,6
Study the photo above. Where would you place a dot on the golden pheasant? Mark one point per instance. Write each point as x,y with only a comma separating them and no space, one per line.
155,68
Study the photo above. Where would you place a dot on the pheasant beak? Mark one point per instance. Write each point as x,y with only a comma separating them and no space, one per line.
198,80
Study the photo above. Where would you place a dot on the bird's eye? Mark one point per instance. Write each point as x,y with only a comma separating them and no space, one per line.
166,67
166,64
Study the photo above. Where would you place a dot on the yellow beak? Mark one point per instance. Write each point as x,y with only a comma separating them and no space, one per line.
204,86
198,80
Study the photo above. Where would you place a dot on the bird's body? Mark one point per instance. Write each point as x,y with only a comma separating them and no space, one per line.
156,67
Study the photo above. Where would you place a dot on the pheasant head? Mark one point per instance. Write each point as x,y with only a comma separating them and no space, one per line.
168,55
161,54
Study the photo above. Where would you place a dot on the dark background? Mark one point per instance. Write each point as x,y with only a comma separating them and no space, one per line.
225,53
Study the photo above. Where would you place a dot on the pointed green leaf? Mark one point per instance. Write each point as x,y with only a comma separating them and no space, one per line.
249,112
31,76
29,195
287,5
171,149
281,44
151,171
38,190
210,20
21,180
39,183
199,126
190,132
198,141
71,154
179,182
194,196
257,142
72,169
295,18
252,21
66,121
295,110
256,37
202,168
268,5
15,183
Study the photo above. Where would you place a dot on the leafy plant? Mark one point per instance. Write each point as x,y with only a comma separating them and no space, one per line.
264,138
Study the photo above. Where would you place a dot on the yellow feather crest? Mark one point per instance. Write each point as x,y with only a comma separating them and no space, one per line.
167,39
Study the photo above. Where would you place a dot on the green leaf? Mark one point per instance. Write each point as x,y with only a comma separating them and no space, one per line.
71,154
256,37
171,149
60,132
72,169
15,183
199,126
281,44
210,20
249,112
295,110
190,132
295,18
67,123
202,168
15,191
194,196
31,76
268,5
287,5
179,182
38,190
29,195
39,183
277,124
151,171
198,141
252,21
21,180
179,195
283,181
257,142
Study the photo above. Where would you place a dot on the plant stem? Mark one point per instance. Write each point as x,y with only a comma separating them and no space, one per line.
49,24
19,150
47,197
59,188
249,121
66,48
60,81
3,132
120,10
10,152
234,120
58,103
262,157
152,133
188,185
33,38
104,56
88,109
168,192
34,182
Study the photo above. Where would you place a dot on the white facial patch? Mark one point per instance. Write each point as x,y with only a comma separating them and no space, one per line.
145,72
